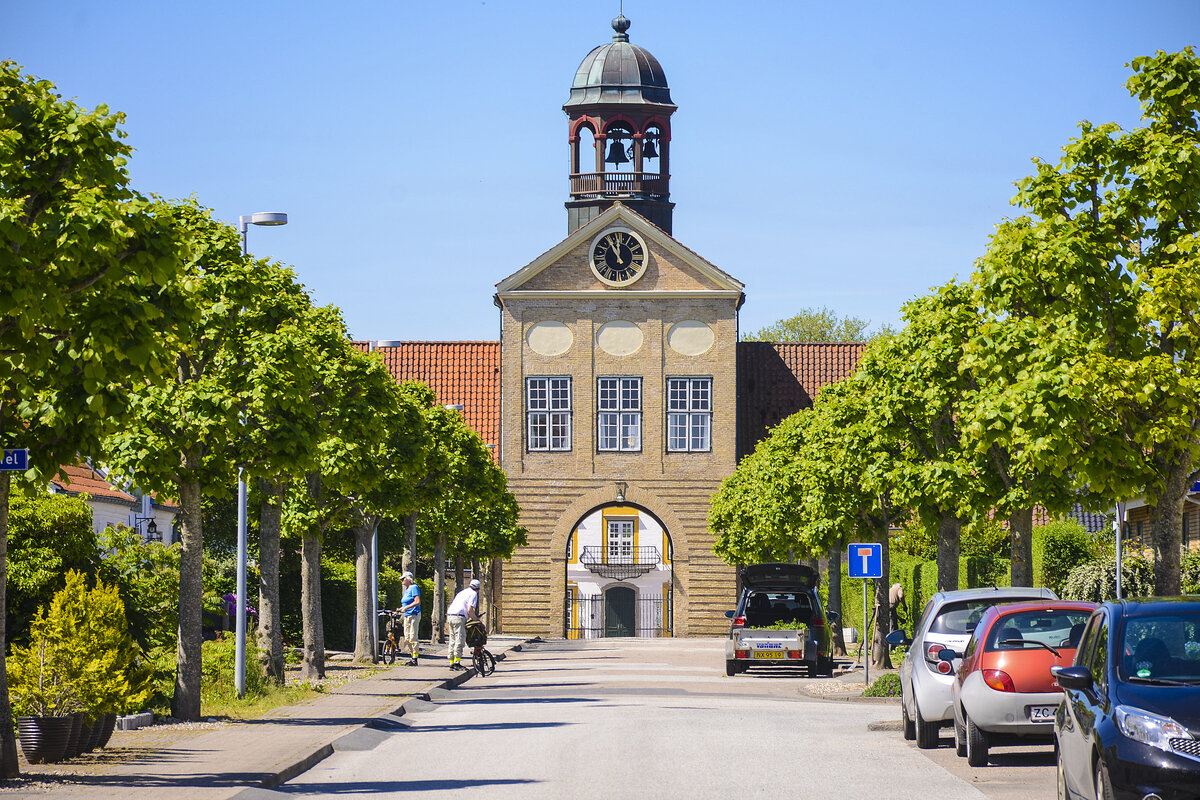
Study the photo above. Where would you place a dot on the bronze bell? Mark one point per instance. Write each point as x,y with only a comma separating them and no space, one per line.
616,153
649,150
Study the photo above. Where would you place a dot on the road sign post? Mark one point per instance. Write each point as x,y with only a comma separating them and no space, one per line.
15,460
865,561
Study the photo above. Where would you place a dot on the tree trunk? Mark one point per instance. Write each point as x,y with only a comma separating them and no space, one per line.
881,654
269,635
409,562
312,664
835,599
460,579
439,589
1020,532
949,529
1167,521
9,766
363,652
186,703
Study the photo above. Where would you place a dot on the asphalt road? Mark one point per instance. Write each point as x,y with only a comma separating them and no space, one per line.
653,718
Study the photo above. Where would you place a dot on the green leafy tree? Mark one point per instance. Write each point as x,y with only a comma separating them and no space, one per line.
180,441
88,276
915,383
1102,280
815,325
356,389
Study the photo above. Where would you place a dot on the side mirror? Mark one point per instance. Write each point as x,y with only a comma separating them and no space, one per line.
729,614
1072,677
898,639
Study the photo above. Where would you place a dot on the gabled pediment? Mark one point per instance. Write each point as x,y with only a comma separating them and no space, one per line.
671,268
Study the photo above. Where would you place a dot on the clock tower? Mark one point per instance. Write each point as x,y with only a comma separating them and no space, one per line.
619,131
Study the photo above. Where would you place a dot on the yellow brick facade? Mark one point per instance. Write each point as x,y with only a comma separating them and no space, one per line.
558,489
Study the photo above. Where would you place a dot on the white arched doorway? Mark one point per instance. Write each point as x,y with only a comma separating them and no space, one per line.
619,575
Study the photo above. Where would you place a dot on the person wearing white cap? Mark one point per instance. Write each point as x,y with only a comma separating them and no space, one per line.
462,608
410,607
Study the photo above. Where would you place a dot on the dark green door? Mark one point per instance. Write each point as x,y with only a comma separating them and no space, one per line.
618,611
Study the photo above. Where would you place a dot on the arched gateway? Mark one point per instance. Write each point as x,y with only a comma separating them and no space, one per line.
618,580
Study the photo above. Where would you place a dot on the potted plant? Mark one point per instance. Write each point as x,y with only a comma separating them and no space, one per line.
80,660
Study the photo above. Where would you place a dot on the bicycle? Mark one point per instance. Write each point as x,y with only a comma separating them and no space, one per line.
476,638
395,625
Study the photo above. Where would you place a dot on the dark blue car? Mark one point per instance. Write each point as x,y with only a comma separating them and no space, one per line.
1129,724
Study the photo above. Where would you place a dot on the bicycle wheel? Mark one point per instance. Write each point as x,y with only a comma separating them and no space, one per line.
389,652
485,662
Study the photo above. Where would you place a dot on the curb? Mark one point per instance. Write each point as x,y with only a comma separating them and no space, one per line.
354,739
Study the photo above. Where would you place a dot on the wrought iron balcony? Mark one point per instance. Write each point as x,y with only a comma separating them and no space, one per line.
620,567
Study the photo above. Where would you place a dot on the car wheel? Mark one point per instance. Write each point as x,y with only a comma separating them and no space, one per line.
732,668
825,666
927,732
910,730
1103,789
960,740
977,745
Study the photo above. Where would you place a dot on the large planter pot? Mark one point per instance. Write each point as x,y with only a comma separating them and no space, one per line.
107,723
92,728
78,737
44,739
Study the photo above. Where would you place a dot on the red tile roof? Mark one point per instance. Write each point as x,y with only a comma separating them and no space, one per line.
81,479
775,380
460,373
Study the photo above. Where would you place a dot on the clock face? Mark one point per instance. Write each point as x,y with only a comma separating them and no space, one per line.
618,257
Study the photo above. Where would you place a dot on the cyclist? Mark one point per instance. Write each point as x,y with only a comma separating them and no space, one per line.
462,608
410,607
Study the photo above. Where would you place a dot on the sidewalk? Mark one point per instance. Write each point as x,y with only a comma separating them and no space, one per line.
216,760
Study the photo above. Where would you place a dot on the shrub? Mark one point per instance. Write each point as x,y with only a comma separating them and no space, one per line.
1096,580
1190,573
1065,546
80,657
884,686
48,535
217,662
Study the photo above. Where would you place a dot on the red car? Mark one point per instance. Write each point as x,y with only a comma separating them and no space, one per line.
1004,692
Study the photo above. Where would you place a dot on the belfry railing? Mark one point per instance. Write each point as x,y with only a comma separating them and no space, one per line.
628,184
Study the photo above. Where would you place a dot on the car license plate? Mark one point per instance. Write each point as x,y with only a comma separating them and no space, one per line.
1042,713
768,654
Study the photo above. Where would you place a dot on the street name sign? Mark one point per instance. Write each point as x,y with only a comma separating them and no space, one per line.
16,460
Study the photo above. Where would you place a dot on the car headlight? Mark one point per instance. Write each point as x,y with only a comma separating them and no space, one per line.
1147,728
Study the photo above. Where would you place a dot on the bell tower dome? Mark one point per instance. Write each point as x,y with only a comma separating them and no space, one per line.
619,130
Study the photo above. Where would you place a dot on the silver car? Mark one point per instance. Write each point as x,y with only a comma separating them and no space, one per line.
947,622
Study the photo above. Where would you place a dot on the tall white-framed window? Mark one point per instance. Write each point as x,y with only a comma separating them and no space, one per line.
619,414
619,541
689,415
548,412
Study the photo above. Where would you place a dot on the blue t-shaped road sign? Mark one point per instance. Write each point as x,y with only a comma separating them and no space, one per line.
15,460
865,560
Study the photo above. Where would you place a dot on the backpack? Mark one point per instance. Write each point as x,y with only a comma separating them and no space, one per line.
476,634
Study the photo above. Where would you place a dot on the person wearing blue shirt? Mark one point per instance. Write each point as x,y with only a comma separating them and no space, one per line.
410,607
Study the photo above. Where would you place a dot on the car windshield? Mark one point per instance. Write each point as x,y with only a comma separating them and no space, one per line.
959,618
1162,648
764,609
1025,630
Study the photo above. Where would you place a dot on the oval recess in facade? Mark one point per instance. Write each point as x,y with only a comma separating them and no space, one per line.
690,337
619,338
549,338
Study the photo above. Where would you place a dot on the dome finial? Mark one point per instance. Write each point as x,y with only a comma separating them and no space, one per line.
620,25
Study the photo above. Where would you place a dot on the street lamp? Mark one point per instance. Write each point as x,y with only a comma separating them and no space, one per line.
239,661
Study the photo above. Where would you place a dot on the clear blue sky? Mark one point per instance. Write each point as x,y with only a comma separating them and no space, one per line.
850,155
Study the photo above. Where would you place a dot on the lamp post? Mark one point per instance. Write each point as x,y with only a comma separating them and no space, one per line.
239,660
